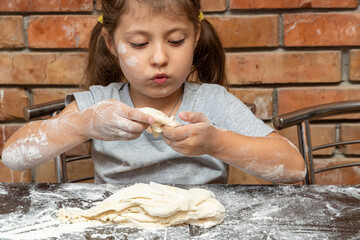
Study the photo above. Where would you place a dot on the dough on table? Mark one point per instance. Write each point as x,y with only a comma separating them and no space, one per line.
152,205
160,119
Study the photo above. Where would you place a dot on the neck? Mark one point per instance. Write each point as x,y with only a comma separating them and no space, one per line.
168,105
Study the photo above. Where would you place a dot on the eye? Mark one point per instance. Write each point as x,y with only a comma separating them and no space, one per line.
177,43
138,45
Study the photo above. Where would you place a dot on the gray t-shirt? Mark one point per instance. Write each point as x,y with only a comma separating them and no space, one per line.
150,159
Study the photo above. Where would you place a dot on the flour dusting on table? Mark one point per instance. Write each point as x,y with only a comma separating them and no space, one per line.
257,212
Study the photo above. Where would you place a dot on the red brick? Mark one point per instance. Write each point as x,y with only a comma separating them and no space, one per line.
8,175
82,149
284,67
333,3
14,5
43,68
98,5
350,132
206,5
253,4
213,5
354,73
320,134
79,169
43,95
11,34
247,31
5,67
291,99
324,29
62,5
60,31
237,176
344,176
6,131
323,134
68,68
291,134
262,98
46,172
46,6
12,102
30,68
272,4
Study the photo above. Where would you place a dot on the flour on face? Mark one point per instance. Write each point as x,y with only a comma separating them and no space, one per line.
121,48
132,61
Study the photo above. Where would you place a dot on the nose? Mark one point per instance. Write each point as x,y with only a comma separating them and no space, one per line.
159,57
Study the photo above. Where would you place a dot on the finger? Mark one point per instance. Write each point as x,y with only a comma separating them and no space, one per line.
176,134
128,125
193,117
135,114
127,136
139,116
179,146
173,144
168,141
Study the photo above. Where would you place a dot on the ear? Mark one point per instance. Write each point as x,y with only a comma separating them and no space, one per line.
109,42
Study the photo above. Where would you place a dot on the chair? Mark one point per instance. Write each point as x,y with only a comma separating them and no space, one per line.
302,118
61,161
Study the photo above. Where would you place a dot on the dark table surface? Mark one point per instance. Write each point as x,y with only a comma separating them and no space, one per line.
28,211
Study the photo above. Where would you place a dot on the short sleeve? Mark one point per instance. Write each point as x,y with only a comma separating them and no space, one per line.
231,113
83,99
95,94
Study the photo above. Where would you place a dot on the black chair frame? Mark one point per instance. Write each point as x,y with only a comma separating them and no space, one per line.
302,118
52,109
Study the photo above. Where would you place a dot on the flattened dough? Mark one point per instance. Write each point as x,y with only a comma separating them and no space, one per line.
160,119
152,205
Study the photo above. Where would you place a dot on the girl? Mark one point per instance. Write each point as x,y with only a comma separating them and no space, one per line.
142,54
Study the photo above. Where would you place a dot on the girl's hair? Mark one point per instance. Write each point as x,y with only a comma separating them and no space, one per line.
209,57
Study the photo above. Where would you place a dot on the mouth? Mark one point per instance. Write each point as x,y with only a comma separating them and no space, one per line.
160,78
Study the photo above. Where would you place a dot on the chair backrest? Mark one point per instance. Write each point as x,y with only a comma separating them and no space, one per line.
302,118
51,109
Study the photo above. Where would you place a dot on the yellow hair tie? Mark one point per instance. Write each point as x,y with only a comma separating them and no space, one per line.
101,19
201,16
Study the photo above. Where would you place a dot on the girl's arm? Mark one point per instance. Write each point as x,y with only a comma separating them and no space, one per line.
272,158
40,141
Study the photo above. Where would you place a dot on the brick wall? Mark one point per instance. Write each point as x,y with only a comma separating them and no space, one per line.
282,55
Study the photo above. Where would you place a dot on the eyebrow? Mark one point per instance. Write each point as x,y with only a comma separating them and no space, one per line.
146,33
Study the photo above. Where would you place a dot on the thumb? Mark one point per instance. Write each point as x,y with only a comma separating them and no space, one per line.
193,117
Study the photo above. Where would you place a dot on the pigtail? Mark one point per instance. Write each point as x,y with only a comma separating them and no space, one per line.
102,66
209,56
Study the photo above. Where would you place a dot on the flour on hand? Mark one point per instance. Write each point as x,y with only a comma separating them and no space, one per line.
152,205
160,119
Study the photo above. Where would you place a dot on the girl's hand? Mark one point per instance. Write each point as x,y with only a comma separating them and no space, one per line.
193,139
112,120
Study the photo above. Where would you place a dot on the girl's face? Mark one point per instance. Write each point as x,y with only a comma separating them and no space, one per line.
155,52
